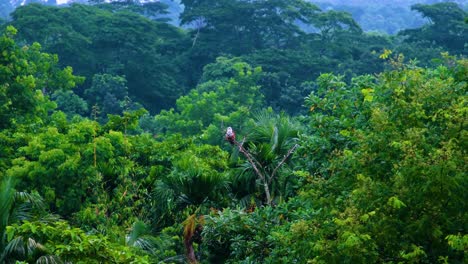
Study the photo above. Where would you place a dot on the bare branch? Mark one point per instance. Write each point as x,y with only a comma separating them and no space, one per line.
291,151
257,171
199,24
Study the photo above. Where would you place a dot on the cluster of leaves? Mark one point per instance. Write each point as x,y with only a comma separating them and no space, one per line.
24,71
68,244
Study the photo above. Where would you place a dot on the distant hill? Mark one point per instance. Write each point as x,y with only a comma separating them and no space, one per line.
386,2
385,16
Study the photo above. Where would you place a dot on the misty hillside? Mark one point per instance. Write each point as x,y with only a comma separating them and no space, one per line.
386,2
385,16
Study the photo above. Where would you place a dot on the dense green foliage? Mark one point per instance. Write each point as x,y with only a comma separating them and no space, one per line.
293,41
98,41
344,153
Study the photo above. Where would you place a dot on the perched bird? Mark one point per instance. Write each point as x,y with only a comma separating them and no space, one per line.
230,136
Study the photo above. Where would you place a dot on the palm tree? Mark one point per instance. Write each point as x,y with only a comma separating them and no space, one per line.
192,182
16,207
6,202
268,149
140,237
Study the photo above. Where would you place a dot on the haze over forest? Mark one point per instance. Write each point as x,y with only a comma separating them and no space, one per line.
386,16
233,131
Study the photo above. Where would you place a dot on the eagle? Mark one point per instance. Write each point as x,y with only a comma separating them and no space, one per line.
230,136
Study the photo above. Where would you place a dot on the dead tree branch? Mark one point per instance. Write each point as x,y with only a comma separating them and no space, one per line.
257,171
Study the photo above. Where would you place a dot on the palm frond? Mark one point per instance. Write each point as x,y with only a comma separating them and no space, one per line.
15,247
139,228
175,259
145,243
27,206
139,237
249,200
21,212
33,246
34,199
49,259
274,139
270,146
6,201
164,195
48,218
22,248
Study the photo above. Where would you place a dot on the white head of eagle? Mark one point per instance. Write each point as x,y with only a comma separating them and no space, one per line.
230,135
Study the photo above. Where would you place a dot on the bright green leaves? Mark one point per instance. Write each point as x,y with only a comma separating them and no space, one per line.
60,161
73,244
386,53
336,112
24,72
415,255
458,242
353,241
125,123
395,203
366,217
368,94
11,32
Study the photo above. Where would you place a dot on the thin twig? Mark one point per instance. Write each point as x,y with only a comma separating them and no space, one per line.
282,162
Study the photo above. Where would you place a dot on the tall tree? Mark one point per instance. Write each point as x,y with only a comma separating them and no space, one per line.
15,208
246,25
446,27
268,149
